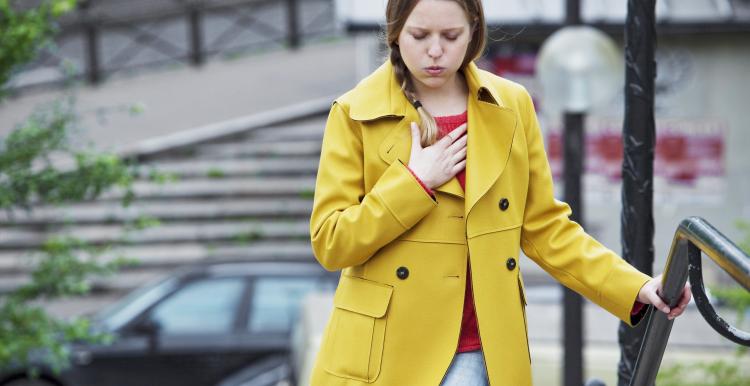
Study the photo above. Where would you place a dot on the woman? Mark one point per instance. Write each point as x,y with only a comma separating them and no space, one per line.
426,221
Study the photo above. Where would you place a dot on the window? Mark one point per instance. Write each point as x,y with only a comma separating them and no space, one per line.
276,301
203,306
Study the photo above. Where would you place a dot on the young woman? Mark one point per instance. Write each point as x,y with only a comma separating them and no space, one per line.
432,178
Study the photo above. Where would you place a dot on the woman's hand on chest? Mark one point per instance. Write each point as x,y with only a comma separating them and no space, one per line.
436,164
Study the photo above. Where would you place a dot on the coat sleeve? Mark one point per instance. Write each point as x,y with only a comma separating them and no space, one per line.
561,246
348,224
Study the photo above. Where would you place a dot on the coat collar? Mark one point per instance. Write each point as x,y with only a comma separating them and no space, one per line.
491,127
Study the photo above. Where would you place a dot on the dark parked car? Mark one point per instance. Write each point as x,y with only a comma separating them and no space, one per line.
199,327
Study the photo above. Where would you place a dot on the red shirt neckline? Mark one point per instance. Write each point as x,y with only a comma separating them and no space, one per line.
452,121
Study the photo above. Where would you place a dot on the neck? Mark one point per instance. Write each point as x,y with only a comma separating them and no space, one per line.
454,87
449,99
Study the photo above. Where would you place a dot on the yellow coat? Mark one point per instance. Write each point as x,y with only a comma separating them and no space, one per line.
398,307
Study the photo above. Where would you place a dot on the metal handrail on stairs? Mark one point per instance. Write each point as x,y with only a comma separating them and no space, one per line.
693,237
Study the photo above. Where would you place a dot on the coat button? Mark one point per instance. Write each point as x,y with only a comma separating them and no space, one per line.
402,273
504,204
511,264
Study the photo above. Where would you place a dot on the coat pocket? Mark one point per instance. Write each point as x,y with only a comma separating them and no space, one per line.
354,347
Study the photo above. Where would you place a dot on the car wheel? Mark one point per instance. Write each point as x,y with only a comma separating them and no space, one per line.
29,382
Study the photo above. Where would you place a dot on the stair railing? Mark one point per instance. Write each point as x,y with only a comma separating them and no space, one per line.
693,237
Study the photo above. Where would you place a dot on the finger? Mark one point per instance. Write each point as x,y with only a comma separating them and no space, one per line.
458,167
416,137
448,139
657,302
460,130
453,135
461,155
677,311
458,144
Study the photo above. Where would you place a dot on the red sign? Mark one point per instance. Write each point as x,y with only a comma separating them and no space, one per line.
685,150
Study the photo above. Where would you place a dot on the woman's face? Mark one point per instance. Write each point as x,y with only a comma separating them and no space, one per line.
434,41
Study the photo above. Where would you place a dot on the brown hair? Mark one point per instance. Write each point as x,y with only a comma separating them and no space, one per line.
396,14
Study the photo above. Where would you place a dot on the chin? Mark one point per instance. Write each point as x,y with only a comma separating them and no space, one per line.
434,82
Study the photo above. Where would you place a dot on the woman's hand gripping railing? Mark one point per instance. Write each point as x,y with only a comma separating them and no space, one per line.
693,236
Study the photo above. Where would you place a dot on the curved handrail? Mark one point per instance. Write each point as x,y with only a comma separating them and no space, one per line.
693,237
718,247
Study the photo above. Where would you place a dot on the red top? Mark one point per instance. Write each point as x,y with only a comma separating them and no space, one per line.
469,338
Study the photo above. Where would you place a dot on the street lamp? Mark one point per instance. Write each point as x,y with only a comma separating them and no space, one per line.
579,68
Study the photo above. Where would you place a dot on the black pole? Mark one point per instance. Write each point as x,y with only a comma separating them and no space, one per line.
573,154
573,12
196,36
639,138
91,35
293,37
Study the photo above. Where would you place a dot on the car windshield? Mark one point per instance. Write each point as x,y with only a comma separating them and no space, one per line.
118,314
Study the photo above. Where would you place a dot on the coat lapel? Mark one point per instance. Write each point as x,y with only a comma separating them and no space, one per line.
491,130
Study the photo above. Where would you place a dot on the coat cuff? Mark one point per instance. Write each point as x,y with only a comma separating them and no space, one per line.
620,293
401,193
638,313
428,190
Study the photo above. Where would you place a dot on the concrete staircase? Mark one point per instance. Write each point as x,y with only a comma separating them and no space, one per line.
246,196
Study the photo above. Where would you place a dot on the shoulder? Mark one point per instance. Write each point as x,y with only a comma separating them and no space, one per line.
511,94
375,96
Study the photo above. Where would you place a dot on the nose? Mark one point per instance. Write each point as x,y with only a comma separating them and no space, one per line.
435,50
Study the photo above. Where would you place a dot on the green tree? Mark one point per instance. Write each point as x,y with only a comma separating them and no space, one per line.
24,32
39,165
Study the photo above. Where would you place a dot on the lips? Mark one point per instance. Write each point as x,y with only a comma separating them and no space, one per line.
434,70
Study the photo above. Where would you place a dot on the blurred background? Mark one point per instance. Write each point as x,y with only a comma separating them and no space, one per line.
212,113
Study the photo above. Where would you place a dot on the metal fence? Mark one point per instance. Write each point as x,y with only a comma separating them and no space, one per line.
106,37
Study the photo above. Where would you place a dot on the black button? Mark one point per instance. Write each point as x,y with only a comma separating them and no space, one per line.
402,273
504,204
511,264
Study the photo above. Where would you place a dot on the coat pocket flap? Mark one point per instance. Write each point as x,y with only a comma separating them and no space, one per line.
362,296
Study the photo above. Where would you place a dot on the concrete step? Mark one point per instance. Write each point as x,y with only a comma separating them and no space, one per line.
16,263
233,187
307,148
99,234
303,130
221,169
166,211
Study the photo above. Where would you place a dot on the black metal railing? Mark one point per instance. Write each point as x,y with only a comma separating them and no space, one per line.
693,238
105,37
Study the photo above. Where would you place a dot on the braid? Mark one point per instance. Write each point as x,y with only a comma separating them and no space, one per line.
429,126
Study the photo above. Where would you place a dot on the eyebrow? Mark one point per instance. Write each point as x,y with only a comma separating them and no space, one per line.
422,29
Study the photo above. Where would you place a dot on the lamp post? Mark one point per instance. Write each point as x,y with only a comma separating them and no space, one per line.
573,155
579,68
